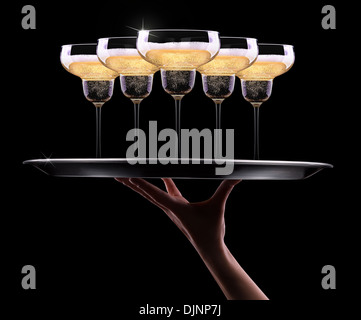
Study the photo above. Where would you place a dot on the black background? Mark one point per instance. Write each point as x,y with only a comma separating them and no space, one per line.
95,244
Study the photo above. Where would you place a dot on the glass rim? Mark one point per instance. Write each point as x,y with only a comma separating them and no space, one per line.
177,30
231,37
122,37
274,44
80,44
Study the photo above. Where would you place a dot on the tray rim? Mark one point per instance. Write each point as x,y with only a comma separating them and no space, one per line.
202,161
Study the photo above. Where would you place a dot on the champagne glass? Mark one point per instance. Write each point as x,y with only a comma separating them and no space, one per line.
97,80
136,75
257,80
178,53
218,75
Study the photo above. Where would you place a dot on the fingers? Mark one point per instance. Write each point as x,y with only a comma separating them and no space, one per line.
126,181
149,190
224,190
171,187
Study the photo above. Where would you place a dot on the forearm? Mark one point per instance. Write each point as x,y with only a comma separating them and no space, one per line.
231,278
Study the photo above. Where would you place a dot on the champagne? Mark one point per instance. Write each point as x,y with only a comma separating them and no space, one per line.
98,81
136,74
91,70
224,65
130,65
178,82
98,91
136,87
218,87
256,91
257,80
178,59
263,70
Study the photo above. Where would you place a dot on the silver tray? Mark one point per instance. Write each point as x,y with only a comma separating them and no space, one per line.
121,168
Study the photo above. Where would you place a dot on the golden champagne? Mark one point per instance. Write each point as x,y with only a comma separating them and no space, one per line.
263,70
178,59
91,70
130,65
224,65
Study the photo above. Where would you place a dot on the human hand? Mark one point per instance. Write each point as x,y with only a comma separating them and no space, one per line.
201,222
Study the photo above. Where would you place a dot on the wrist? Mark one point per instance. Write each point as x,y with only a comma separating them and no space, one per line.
211,251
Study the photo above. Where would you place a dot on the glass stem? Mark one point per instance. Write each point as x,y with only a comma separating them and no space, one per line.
218,151
136,121
177,100
256,107
98,109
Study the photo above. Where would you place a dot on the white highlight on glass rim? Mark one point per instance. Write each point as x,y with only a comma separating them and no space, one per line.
104,53
250,53
235,52
119,52
288,58
144,44
66,58
195,45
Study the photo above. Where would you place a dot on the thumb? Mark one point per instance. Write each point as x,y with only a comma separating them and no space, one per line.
224,190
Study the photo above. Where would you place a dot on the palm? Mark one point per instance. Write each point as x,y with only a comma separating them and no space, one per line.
201,222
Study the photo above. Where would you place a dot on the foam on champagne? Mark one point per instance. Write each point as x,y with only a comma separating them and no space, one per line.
190,45
118,52
272,58
67,58
233,52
